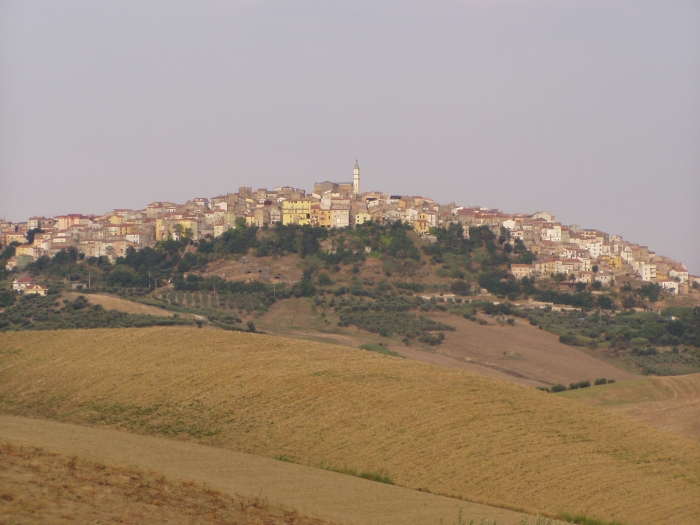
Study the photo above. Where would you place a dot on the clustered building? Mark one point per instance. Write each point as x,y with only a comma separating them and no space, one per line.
560,249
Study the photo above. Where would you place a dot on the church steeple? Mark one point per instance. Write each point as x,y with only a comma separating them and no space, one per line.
356,179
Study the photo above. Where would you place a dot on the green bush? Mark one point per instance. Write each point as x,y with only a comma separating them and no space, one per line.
580,384
7,298
381,349
558,388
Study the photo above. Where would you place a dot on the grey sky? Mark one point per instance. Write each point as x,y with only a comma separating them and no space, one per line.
588,109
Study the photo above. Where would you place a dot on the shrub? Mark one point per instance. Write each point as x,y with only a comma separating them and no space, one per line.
601,381
558,388
580,384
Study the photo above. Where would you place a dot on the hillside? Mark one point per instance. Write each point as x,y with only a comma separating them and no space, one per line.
669,403
37,486
381,278
520,354
425,427
179,482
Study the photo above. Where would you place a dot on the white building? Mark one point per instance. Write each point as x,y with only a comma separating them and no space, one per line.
647,271
670,286
595,249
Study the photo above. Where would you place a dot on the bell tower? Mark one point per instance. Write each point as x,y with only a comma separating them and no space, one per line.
356,179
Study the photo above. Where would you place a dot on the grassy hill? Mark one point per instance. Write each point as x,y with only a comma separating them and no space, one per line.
668,403
423,427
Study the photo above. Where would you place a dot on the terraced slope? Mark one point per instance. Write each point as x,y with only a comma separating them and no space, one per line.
426,427
669,403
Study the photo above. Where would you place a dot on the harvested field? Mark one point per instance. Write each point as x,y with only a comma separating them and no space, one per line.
270,486
669,403
295,318
44,487
523,351
109,302
423,426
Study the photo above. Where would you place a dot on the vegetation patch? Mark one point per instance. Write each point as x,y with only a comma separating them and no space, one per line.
381,349
372,476
582,519
34,312
401,323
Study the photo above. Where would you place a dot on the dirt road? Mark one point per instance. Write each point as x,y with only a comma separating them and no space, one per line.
313,492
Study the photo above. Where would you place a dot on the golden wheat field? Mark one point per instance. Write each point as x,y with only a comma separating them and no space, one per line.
426,427
669,403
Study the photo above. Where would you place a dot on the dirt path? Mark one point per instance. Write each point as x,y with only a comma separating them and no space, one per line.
314,492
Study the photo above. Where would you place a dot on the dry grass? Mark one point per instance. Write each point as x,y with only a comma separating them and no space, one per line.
669,403
43,487
523,351
521,354
110,302
427,427
298,318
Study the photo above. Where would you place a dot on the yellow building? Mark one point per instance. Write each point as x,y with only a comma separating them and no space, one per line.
296,212
325,218
190,224
167,228
421,226
161,231
362,217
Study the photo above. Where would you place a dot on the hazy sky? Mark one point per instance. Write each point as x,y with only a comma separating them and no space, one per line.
588,109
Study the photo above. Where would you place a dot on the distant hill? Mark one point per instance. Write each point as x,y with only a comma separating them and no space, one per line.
382,278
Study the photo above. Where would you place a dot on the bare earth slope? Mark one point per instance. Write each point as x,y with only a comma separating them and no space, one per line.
427,427
309,491
109,302
524,351
522,354
669,403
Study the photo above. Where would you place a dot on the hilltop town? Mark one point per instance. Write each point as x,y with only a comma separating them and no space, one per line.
576,254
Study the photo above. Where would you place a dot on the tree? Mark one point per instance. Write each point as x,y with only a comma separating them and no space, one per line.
9,250
324,279
595,268
31,233
460,287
